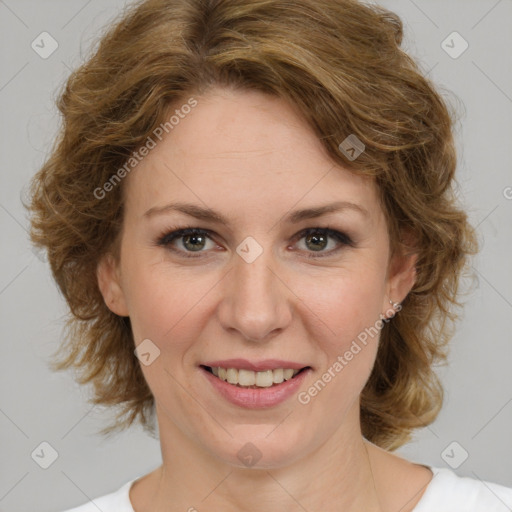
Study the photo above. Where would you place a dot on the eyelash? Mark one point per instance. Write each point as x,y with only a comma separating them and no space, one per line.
172,234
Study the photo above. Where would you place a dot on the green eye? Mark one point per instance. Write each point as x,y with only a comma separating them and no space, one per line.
194,240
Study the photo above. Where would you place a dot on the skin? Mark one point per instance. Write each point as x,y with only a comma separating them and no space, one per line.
253,159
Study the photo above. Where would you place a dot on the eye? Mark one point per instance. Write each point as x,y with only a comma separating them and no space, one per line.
194,240
317,239
191,239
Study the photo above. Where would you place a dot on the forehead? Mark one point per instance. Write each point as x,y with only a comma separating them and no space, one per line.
243,152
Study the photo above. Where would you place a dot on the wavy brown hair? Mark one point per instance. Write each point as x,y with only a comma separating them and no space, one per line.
340,63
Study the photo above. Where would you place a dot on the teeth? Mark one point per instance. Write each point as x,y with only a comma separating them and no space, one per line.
248,378
278,375
232,375
264,379
288,374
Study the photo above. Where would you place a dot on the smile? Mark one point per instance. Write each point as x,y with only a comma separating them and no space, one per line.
251,379
252,389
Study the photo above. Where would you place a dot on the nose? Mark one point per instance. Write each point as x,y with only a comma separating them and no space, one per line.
256,302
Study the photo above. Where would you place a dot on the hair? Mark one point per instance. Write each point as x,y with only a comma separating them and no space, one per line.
340,64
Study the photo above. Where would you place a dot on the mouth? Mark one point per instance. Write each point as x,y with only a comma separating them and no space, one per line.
249,379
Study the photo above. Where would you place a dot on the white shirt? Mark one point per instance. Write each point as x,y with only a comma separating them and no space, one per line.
446,492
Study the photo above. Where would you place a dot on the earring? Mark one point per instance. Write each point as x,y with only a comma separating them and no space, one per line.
395,305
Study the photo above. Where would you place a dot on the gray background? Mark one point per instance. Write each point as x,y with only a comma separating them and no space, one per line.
37,405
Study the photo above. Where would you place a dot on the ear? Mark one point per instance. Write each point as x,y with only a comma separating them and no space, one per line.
401,272
109,282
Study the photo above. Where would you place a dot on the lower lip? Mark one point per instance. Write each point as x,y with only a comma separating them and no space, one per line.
257,398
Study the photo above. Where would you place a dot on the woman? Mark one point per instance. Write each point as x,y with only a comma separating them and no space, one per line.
250,213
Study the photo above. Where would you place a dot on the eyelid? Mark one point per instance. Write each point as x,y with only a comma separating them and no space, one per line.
341,236
176,233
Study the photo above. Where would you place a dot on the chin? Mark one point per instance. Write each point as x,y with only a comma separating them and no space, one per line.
262,447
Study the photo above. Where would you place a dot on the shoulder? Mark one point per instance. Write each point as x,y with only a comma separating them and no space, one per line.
117,501
448,492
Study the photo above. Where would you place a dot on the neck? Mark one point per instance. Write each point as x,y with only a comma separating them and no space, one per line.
336,475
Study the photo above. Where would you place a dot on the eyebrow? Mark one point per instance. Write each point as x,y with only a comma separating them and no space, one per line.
207,214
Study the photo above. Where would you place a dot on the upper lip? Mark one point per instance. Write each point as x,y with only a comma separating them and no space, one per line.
255,366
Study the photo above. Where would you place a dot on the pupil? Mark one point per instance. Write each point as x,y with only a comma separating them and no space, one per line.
316,238
193,237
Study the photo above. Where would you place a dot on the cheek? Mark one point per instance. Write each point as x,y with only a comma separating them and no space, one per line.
346,302
163,302
345,323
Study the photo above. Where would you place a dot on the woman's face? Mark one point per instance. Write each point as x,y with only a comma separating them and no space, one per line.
255,287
